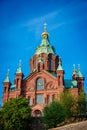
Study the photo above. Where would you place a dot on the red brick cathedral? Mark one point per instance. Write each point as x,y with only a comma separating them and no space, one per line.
45,81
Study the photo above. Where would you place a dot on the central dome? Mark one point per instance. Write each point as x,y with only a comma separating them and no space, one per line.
45,46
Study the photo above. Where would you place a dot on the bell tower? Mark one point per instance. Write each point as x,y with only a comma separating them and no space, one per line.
80,80
6,85
19,78
60,74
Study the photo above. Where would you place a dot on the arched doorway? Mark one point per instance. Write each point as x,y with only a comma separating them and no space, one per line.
37,113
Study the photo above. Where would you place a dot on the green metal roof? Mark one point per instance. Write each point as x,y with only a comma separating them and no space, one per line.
7,79
68,83
55,75
45,46
19,70
59,67
79,72
12,87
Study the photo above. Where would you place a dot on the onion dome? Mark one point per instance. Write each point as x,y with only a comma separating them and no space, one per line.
45,46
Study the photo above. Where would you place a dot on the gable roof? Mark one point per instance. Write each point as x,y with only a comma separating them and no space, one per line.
53,76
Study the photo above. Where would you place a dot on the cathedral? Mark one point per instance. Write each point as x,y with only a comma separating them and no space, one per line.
46,79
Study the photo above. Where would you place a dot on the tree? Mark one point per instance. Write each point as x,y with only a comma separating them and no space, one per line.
15,114
54,114
69,103
1,121
81,104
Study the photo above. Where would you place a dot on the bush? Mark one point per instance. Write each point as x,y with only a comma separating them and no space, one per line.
54,114
15,114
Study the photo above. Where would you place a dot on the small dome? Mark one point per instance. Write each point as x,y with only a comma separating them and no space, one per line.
45,34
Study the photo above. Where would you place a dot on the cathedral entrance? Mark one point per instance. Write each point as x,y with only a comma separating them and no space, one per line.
37,113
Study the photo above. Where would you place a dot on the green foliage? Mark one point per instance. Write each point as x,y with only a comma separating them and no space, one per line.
81,104
1,121
15,114
69,103
54,114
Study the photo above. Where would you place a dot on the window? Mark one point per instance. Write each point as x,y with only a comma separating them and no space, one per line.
50,63
39,99
40,84
4,89
56,63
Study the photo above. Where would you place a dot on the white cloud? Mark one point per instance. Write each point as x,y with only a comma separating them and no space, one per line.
36,25
42,19
57,25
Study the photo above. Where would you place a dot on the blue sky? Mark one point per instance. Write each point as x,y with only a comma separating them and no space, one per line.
21,25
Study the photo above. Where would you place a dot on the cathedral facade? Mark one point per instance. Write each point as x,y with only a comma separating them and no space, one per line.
45,81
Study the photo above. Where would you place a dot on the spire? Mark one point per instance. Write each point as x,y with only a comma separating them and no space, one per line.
79,71
45,33
7,76
59,65
45,46
74,69
19,70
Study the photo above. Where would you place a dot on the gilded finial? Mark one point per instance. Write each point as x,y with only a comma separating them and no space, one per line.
19,70
74,69
45,33
79,71
20,63
8,72
78,67
74,66
59,61
59,65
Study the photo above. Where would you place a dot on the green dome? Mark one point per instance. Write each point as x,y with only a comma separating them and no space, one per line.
7,79
45,46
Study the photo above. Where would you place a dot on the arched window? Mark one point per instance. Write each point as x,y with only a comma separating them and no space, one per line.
40,84
37,113
4,89
56,63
